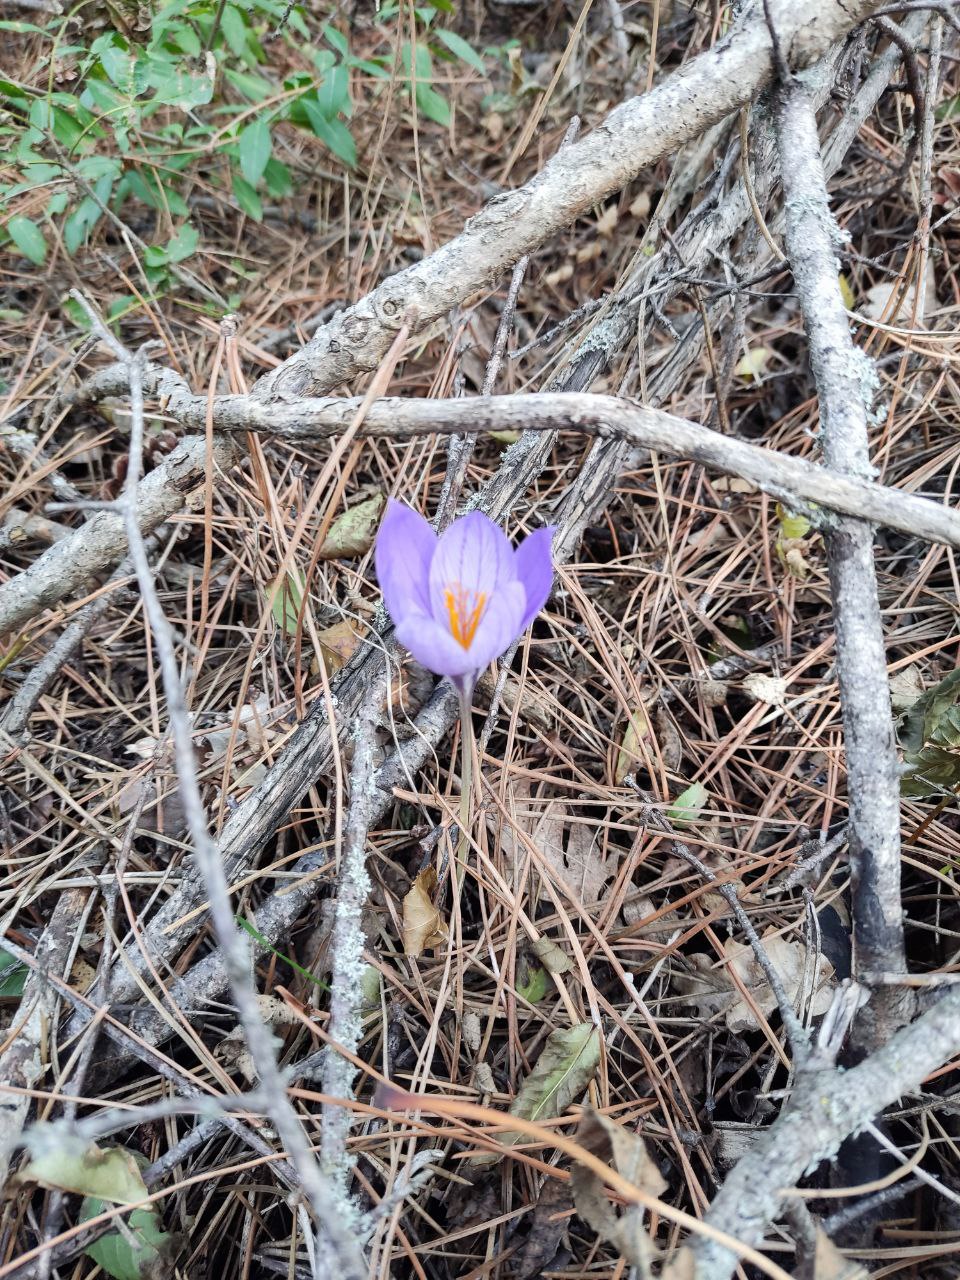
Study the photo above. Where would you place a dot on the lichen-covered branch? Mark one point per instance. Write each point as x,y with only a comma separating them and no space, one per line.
826,1107
846,384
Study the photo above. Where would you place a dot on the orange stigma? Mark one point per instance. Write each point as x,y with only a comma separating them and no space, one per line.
464,609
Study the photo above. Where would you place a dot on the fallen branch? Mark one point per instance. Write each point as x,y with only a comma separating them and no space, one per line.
845,381
777,473
634,135
826,1107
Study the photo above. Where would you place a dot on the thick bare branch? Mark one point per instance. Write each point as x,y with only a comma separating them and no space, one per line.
846,384
634,135
601,416
825,1108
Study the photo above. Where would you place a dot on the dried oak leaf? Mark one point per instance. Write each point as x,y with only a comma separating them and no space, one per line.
572,848
712,990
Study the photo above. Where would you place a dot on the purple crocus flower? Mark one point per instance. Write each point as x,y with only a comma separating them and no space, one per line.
458,601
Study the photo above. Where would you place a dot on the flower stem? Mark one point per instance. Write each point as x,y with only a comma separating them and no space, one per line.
466,785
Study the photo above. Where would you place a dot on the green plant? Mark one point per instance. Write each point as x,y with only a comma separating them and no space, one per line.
150,114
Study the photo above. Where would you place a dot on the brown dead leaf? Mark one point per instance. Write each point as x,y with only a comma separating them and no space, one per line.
553,958
585,866
547,1225
572,849
631,753
625,1152
906,686
423,926
338,644
352,533
712,990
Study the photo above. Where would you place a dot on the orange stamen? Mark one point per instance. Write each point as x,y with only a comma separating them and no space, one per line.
464,609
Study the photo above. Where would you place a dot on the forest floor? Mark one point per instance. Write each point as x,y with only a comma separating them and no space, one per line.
678,695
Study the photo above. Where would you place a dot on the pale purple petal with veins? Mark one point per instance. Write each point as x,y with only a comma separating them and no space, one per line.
405,548
499,626
534,568
433,646
459,602
475,555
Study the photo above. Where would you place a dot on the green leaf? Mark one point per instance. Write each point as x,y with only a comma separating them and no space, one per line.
184,244
277,179
155,255
433,105
253,88
234,29
255,146
247,198
10,89
119,1255
80,223
370,982
459,47
287,595
109,1173
28,238
535,987
117,63
688,805
336,38
792,526
13,976
67,131
333,95
930,736
186,39
334,134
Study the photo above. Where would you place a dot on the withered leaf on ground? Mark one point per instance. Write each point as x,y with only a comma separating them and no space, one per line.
553,957
712,990
565,1067
565,842
423,926
625,1152
547,1225
567,1064
352,533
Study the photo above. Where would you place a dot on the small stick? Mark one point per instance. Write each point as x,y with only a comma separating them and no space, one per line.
335,1248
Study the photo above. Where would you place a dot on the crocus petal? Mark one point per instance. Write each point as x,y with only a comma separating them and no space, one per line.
500,625
534,568
433,646
474,557
405,548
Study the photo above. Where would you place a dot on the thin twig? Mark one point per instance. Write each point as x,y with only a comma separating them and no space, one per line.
336,1248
